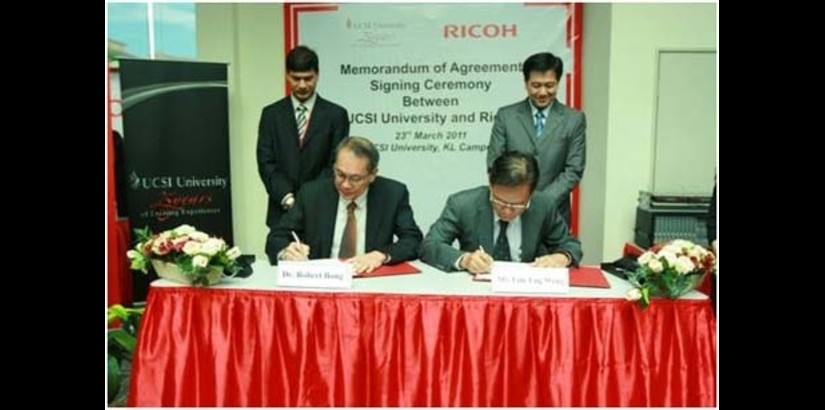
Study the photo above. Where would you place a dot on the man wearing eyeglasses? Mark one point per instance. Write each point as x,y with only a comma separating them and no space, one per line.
352,216
502,221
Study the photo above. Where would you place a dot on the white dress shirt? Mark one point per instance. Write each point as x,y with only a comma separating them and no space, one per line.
310,104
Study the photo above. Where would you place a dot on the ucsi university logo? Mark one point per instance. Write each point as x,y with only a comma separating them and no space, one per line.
489,30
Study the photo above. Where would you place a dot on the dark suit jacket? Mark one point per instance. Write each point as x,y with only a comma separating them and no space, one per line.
282,164
560,151
313,219
468,217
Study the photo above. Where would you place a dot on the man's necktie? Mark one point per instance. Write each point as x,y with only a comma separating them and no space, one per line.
350,237
501,251
302,122
539,123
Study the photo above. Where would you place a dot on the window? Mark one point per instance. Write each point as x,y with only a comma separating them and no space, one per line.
172,34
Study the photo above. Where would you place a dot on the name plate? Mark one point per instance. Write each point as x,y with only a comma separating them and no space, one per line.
512,277
330,274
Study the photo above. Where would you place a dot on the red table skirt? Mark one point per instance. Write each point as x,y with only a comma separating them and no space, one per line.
215,347
119,275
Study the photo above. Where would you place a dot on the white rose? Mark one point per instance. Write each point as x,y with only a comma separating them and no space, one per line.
655,266
696,252
671,248
633,294
684,265
192,248
669,256
184,230
233,253
212,246
198,236
645,258
200,261
683,244
133,254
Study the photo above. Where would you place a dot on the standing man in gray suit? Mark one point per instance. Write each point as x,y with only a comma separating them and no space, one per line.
545,128
526,228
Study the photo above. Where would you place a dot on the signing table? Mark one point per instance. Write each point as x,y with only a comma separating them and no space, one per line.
431,339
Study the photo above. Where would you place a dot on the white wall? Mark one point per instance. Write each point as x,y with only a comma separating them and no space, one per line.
637,32
595,92
250,37
621,42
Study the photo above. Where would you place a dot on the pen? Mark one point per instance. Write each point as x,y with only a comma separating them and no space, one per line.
481,248
295,236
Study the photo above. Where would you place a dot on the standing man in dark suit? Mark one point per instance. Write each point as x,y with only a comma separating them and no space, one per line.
297,135
352,216
545,128
526,228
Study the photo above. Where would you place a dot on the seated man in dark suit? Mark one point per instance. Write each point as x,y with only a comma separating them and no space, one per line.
352,216
526,228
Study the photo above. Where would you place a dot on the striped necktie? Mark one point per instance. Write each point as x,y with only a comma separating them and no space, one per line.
539,123
302,122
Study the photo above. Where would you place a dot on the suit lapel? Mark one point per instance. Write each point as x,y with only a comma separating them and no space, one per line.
374,216
290,124
530,226
554,122
525,117
484,223
315,117
326,223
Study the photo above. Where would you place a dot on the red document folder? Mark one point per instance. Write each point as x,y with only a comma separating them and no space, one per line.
403,268
584,277
588,277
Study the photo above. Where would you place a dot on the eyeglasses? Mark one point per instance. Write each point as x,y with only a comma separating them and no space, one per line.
515,207
353,179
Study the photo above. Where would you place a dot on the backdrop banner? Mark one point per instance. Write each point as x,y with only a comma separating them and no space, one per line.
423,81
176,148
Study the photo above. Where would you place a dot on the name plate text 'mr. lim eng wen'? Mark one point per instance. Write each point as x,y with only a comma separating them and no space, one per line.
325,273
512,277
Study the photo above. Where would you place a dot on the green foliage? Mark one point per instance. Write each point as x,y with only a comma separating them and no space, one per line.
120,344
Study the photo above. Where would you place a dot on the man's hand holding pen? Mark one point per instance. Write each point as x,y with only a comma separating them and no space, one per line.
476,262
295,251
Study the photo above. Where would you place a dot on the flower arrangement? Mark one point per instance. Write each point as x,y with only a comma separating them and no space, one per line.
198,256
669,270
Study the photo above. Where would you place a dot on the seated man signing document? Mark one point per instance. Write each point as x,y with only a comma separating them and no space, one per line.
502,222
352,216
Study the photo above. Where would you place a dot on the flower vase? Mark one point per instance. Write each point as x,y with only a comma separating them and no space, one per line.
172,272
691,282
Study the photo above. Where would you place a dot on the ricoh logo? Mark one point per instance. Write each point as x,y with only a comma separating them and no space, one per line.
480,30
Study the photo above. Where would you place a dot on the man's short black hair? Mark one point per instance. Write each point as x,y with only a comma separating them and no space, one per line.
542,62
515,168
302,58
362,148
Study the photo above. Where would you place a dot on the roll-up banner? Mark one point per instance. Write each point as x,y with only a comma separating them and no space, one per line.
176,148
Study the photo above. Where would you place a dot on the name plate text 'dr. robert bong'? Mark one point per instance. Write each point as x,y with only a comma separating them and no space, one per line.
326,273
512,277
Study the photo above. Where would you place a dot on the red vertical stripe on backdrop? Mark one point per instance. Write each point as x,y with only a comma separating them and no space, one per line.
288,42
112,272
